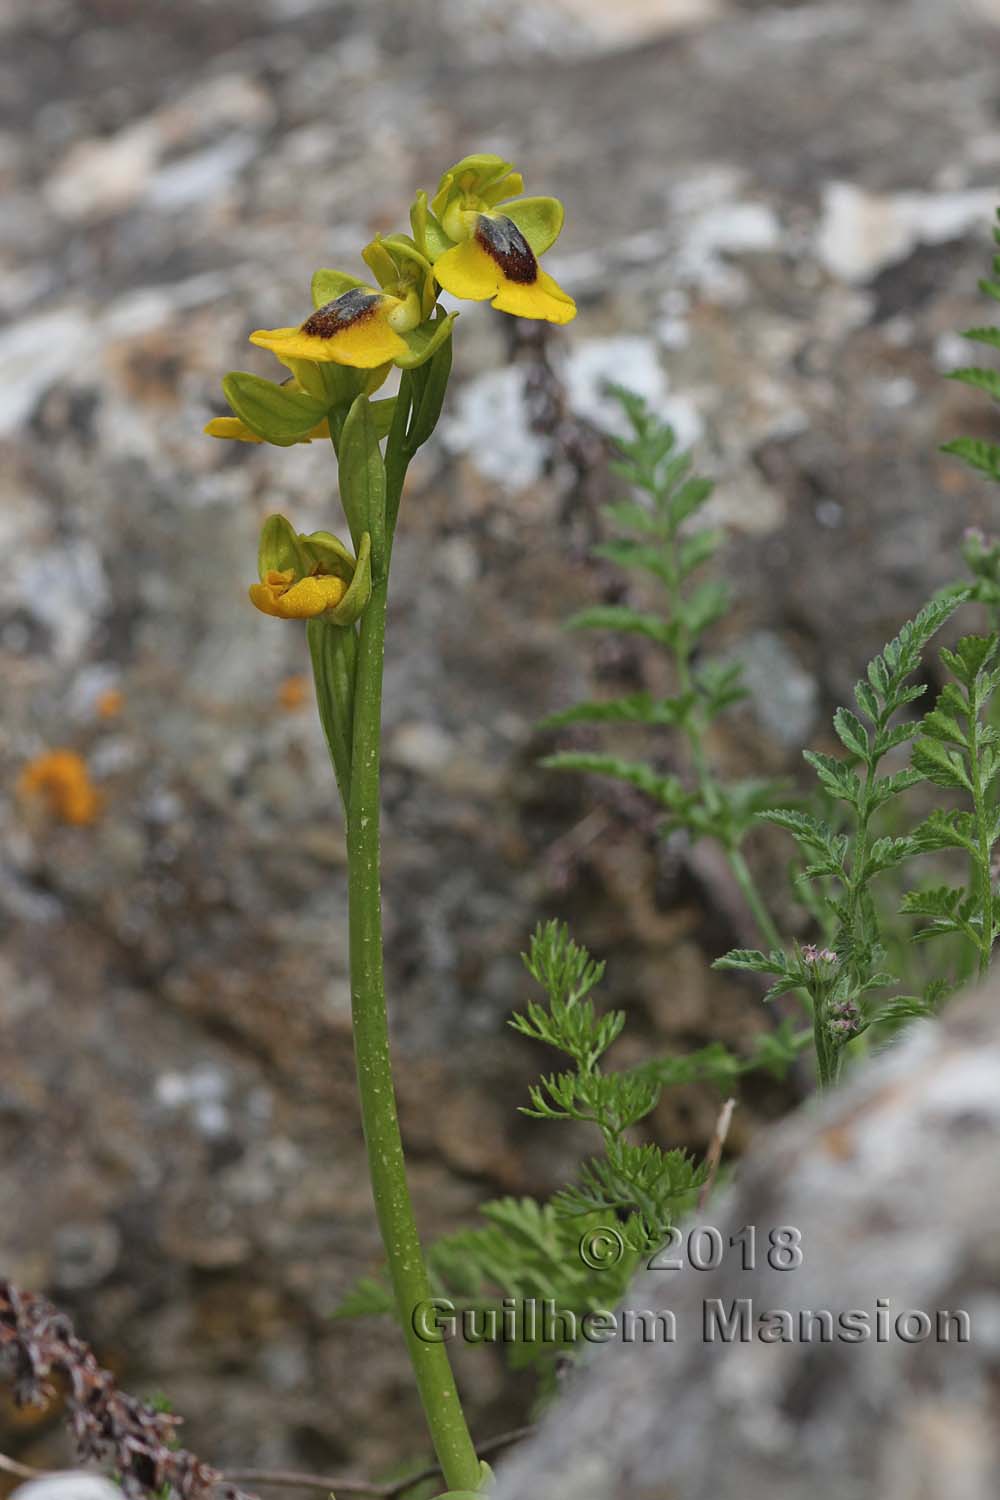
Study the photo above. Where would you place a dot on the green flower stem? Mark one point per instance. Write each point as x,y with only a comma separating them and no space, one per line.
397,1225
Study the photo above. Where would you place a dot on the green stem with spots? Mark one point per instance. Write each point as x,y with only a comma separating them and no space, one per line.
386,1164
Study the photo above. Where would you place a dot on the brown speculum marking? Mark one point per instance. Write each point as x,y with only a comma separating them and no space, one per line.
504,242
343,312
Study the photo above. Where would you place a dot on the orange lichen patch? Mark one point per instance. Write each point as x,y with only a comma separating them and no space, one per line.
109,704
292,692
62,778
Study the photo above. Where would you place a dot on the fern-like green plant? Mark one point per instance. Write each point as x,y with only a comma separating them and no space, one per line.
657,537
955,748
958,750
839,979
576,1253
980,455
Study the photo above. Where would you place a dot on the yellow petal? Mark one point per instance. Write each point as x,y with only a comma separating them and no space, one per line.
544,299
351,330
231,427
310,597
498,262
264,599
275,582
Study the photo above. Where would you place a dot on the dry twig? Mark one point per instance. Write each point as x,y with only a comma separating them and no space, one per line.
715,1150
130,1436
109,1426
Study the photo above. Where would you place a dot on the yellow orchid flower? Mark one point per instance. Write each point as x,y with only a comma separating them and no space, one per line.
482,246
286,597
364,326
310,577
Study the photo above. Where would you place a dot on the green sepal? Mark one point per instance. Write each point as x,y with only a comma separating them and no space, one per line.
334,655
327,286
388,255
428,403
336,385
425,341
382,415
277,413
538,219
327,550
377,258
483,168
279,548
504,188
402,248
358,594
430,238
362,478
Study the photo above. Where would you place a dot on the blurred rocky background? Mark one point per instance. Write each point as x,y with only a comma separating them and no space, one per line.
776,216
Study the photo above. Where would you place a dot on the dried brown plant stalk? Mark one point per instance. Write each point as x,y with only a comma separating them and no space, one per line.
109,1427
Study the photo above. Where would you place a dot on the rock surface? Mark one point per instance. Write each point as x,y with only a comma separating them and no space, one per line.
892,1191
68,1486
776,219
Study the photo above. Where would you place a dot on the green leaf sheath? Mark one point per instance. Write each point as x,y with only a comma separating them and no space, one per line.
333,649
363,481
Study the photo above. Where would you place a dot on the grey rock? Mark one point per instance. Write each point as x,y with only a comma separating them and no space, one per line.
784,698
892,1191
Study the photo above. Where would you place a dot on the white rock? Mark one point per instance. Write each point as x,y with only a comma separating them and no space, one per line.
66,589
68,1486
490,420
202,175
36,352
490,424
421,746
100,177
861,233
634,362
630,20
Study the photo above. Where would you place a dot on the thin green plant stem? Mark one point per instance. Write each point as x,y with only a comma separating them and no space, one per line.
827,1059
751,894
694,730
386,1163
857,883
982,875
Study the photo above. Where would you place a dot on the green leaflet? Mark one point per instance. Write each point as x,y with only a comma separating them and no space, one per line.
277,413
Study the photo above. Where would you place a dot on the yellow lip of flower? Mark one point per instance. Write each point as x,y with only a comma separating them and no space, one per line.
361,327
496,261
284,597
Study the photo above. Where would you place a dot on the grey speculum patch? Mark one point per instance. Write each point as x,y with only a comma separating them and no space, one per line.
504,242
343,312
